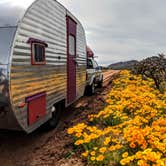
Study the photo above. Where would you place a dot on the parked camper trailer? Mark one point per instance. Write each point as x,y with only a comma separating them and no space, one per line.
42,63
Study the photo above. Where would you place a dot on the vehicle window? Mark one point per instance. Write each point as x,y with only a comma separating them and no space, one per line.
89,64
94,64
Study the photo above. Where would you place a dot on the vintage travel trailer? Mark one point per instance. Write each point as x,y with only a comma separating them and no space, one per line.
42,63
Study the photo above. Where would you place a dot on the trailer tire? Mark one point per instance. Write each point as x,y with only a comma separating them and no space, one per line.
56,115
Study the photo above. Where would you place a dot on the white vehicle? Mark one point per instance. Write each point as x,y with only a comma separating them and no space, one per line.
42,63
94,73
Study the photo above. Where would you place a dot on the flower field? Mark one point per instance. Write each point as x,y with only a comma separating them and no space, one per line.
130,130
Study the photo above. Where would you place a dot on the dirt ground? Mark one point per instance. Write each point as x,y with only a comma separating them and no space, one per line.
52,148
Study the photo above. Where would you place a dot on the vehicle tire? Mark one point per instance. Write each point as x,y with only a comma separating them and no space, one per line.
56,115
100,84
91,89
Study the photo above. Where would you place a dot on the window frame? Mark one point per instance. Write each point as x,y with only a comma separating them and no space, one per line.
33,54
34,42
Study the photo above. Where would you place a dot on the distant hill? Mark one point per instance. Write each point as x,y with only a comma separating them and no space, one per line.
123,65
104,67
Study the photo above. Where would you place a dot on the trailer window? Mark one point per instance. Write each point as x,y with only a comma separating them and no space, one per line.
38,54
37,51
71,45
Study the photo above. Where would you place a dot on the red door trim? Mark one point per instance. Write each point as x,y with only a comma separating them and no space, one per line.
71,75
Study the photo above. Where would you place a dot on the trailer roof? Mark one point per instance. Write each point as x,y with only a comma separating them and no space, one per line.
12,11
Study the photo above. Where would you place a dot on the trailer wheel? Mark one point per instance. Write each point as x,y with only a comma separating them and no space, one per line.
56,115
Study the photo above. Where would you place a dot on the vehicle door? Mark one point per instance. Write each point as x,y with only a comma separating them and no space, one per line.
96,69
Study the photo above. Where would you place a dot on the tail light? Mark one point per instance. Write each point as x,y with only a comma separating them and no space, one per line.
21,105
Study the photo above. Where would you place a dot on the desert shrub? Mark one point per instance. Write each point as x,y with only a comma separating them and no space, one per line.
154,68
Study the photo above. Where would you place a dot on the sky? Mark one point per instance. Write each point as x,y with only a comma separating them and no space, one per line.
117,30
120,30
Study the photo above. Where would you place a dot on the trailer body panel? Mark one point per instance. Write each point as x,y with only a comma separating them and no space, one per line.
45,23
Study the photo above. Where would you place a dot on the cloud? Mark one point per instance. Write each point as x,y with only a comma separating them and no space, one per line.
122,30
12,11
116,30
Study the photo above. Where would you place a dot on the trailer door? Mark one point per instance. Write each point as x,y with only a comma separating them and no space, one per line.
71,59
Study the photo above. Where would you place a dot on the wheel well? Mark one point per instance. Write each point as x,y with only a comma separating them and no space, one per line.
60,104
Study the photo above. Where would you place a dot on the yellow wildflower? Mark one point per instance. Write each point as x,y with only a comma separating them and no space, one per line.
93,153
107,140
100,158
102,150
124,155
93,158
79,142
85,154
